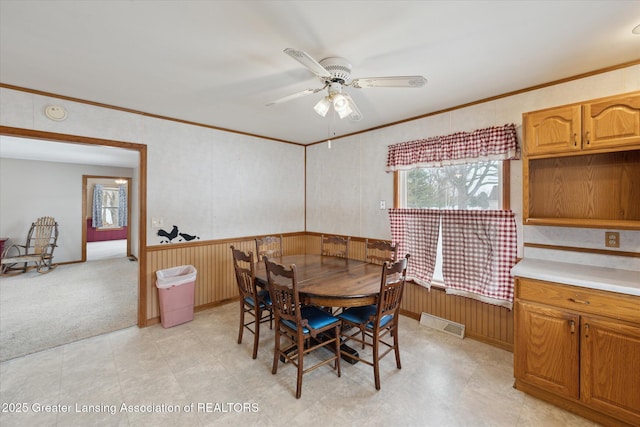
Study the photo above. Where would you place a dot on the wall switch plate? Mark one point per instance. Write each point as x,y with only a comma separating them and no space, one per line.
383,204
612,239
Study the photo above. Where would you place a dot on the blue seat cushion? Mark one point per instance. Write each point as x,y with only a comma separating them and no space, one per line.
316,318
264,295
361,315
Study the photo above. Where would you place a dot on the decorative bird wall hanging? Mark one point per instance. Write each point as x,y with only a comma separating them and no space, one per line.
169,236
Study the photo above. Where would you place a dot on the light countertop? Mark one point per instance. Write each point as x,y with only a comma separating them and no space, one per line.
606,279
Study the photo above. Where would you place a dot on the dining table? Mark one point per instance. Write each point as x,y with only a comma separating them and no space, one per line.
328,281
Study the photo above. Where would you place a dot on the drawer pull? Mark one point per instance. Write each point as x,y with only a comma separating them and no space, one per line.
579,301
573,326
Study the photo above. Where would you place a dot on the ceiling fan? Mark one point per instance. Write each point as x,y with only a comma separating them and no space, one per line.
335,74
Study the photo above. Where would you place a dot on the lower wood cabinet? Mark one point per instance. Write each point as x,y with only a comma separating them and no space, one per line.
579,349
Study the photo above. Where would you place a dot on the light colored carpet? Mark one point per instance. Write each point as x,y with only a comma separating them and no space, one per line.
72,302
106,249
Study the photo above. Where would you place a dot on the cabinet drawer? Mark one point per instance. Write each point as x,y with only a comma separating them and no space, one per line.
592,301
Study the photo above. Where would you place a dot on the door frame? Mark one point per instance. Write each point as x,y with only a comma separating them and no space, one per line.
142,196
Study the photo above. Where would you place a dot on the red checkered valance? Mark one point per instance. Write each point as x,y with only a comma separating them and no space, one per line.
493,143
478,252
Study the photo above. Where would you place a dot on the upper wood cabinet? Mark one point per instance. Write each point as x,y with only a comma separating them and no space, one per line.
581,166
553,131
600,124
613,122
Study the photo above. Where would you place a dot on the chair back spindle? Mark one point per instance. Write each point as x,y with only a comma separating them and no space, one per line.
336,246
379,251
269,246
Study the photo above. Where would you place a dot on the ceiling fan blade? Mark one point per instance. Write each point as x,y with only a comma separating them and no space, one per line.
305,59
355,115
396,81
294,96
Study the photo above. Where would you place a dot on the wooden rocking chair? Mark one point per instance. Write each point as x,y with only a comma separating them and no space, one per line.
41,241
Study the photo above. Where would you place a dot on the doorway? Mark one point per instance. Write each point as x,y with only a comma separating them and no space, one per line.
108,236
138,196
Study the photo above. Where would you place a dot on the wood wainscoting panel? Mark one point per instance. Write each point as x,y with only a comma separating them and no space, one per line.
215,280
215,285
483,322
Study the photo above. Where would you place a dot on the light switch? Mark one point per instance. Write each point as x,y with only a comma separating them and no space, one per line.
383,205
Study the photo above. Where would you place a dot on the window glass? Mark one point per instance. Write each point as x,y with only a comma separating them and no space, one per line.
466,186
110,206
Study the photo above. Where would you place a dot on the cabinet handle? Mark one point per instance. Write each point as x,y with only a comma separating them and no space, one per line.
579,301
586,330
573,326
586,136
575,139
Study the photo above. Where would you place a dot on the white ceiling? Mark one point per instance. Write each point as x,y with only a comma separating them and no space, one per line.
219,62
50,151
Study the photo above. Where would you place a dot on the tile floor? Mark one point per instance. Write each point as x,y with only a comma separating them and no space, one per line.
196,374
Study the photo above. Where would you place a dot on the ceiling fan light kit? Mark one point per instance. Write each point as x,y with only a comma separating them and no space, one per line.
322,107
335,73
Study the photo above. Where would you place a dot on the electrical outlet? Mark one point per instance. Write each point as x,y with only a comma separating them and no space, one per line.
612,239
383,205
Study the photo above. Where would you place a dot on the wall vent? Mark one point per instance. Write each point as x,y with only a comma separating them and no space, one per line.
443,325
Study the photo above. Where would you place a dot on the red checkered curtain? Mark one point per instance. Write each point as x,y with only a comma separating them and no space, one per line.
478,251
415,231
494,143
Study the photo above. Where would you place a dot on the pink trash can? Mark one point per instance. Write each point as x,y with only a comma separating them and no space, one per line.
176,291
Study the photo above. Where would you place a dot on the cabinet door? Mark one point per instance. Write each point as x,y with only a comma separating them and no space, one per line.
610,359
553,131
546,348
612,123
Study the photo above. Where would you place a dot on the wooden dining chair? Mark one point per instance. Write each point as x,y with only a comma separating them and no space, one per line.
336,246
379,251
376,325
269,246
304,328
256,304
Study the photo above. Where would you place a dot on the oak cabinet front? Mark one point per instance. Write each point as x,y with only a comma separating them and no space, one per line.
600,124
582,164
556,130
610,367
579,348
548,348
610,123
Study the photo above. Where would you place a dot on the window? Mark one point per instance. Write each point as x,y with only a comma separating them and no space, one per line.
481,185
110,207
465,186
